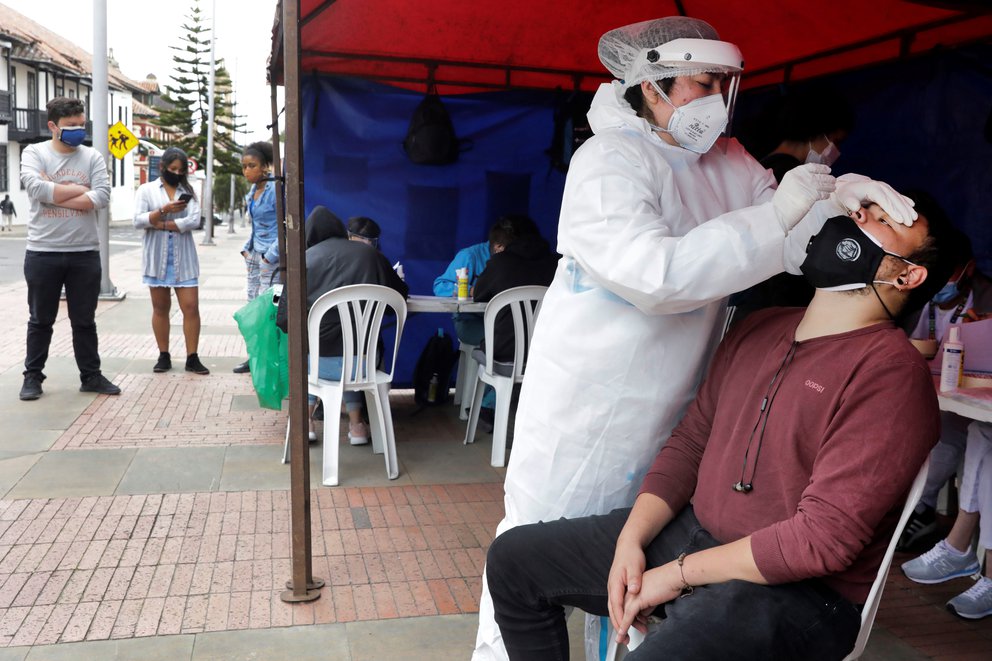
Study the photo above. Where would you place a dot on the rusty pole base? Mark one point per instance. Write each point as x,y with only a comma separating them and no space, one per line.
314,584
290,597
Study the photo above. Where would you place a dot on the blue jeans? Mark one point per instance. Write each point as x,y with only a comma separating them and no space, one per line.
536,570
46,273
329,367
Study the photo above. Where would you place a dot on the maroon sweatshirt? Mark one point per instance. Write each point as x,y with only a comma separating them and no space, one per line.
847,423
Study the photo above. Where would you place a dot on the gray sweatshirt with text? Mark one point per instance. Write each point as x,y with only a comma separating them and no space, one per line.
52,228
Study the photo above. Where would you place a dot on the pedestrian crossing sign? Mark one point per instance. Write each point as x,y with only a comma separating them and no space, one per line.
121,141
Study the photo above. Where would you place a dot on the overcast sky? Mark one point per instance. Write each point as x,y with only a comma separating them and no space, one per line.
141,31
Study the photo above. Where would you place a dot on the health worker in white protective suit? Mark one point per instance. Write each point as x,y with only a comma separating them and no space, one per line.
660,221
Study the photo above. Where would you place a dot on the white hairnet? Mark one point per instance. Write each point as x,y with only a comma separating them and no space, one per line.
624,51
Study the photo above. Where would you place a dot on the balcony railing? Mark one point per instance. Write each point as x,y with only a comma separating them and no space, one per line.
5,106
31,125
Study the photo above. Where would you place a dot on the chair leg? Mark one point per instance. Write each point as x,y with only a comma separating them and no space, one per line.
478,390
332,436
460,377
285,447
385,424
375,412
472,379
504,393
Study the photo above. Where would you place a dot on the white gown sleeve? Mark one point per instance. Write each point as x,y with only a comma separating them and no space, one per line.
619,219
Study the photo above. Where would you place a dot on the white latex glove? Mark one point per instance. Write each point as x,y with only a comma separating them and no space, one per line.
852,195
801,187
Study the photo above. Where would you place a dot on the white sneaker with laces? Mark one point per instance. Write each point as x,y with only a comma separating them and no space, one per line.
940,564
976,602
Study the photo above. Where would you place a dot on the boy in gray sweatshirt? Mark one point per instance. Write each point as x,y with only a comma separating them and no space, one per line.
66,183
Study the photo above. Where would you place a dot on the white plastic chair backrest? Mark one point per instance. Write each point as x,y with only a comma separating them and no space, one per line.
361,308
875,595
524,304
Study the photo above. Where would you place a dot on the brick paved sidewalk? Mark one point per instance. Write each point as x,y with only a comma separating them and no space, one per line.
132,566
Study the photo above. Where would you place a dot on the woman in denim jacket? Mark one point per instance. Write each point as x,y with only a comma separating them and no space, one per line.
261,250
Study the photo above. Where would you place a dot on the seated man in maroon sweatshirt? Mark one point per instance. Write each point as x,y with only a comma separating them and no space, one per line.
769,509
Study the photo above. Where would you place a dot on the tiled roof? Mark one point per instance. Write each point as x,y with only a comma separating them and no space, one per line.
141,110
35,43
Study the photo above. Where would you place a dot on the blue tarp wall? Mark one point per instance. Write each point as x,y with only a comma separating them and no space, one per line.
354,164
923,123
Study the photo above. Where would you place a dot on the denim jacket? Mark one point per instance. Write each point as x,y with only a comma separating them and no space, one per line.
264,228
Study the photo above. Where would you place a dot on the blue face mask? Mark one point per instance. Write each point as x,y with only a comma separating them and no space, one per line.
947,293
72,135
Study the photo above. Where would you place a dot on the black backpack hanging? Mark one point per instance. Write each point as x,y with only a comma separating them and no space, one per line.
431,139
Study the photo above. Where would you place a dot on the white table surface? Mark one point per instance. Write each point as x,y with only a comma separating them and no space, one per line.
974,403
448,304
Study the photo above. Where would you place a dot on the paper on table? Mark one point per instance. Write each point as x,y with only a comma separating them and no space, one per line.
976,336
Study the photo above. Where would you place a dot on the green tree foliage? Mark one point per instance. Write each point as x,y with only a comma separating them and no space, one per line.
189,95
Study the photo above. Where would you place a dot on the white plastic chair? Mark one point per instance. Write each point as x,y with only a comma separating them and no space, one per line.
361,308
874,596
524,304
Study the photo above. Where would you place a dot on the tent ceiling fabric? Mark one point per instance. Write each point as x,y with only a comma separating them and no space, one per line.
526,44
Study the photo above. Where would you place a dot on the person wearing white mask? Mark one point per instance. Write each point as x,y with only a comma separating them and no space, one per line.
806,126
660,221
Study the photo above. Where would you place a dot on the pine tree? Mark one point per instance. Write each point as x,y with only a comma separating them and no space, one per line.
189,95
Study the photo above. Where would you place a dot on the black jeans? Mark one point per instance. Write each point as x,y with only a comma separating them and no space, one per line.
46,273
536,570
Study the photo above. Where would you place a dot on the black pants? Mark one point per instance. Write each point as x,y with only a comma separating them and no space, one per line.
46,273
536,570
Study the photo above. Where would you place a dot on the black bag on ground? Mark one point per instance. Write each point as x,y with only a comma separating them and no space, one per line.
432,375
431,139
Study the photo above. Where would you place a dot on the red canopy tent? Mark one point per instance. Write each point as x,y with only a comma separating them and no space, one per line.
522,44
526,44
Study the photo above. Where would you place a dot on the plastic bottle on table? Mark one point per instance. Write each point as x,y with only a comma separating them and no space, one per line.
462,284
952,364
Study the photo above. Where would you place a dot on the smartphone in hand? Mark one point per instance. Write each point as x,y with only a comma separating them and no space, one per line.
185,197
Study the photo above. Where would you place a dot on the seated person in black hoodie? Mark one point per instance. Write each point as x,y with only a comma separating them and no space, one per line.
525,260
333,261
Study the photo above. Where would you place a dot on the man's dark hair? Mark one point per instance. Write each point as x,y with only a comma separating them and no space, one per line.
364,227
62,106
509,227
938,253
260,150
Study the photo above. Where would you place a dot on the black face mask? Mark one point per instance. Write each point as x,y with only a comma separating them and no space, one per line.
171,178
842,256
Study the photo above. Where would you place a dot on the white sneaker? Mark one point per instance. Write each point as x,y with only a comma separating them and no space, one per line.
358,433
974,603
940,564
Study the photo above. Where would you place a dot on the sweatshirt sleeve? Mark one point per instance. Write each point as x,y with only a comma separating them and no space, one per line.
99,192
33,177
870,454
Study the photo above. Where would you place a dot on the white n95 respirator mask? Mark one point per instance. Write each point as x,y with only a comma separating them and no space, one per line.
697,124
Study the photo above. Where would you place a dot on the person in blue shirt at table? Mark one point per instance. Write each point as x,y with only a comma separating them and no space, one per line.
468,325
261,250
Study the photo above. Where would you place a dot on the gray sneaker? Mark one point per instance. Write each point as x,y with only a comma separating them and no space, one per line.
939,564
975,603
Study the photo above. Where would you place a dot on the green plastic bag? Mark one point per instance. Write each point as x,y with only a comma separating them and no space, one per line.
268,350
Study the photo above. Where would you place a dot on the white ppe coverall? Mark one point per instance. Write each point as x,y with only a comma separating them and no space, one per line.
654,238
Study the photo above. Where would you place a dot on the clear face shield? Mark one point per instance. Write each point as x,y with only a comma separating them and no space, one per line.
690,57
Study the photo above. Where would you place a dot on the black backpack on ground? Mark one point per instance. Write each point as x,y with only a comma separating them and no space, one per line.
431,139
432,375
